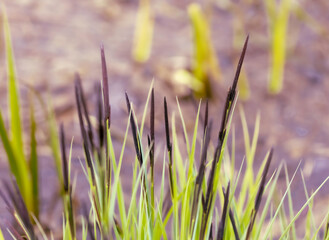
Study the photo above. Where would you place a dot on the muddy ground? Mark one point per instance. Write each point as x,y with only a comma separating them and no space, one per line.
55,39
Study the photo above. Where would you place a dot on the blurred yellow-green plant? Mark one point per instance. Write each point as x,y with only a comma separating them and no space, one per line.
143,32
23,167
205,65
278,16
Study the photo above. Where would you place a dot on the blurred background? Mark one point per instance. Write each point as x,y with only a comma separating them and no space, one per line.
191,51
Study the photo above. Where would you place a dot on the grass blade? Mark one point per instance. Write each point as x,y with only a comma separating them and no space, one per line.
134,132
221,227
259,195
15,119
107,107
169,147
34,163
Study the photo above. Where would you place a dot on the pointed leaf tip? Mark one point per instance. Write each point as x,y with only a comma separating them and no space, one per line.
64,159
107,107
238,70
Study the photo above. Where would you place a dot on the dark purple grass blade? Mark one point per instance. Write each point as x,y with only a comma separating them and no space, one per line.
235,229
152,142
259,194
205,124
262,184
201,173
83,131
19,205
221,136
222,131
85,111
221,227
232,93
64,160
107,111
238,70
210,233
231,215
204,152
134,131
100,119
107,107
169,147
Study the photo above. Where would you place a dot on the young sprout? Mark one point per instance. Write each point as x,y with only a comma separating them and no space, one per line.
278,16
205,65
143,32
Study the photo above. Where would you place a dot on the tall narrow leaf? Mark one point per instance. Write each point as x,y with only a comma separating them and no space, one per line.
23,180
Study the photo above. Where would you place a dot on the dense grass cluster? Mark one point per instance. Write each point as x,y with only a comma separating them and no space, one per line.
202,200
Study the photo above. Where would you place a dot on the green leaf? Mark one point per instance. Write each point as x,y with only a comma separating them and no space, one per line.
21,169
34,162
9,151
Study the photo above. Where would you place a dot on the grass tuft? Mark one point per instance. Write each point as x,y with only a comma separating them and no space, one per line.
190,208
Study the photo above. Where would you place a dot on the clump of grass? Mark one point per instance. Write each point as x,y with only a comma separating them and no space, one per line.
202,201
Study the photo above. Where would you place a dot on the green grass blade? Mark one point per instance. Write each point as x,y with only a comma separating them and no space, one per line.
291,209
14,113
145,109
310,223
10,152
195,134
1,235
14,105
34,163
269,227
302,208
117,186
54,143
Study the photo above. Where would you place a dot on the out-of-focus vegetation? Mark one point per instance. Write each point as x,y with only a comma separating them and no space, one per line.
23,167
143,32
205,67
278,18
